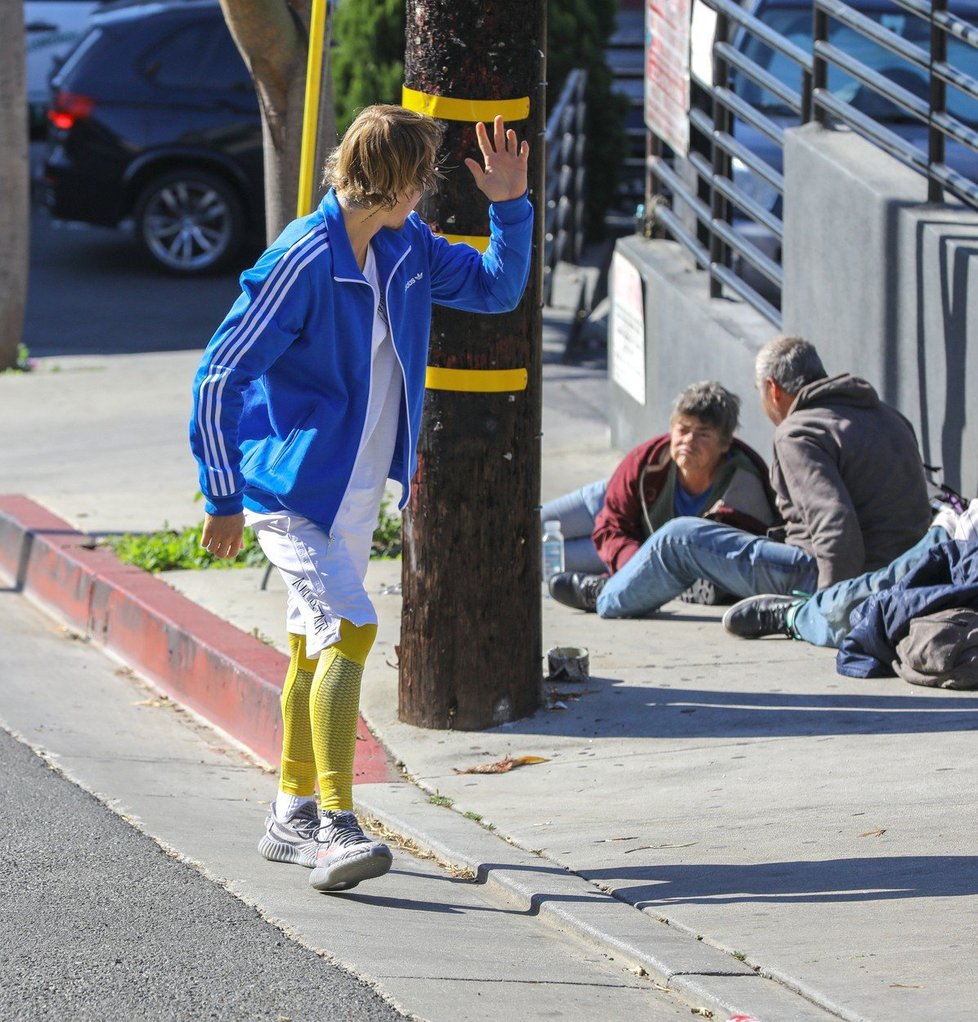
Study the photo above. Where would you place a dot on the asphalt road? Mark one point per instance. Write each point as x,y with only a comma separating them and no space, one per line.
100,923
92,291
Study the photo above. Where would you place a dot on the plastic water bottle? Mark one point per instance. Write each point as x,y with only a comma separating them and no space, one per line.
553,550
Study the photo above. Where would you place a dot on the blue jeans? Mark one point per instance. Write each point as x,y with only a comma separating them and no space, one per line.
824,619
576,512
685,549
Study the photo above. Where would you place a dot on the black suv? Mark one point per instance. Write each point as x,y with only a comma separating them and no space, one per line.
154,117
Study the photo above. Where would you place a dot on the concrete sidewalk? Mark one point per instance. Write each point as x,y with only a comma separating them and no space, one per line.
777,839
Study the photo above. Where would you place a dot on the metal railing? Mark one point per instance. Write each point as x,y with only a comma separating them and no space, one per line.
915,85
731,234
564,213
723,200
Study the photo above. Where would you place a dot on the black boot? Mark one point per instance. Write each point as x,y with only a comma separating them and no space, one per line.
761,615
577,590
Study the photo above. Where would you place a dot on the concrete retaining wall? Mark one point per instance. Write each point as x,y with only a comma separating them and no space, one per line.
688,337
881,283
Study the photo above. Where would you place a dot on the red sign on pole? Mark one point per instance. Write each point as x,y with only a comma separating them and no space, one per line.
667,71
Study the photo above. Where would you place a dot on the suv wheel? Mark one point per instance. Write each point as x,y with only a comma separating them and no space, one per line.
189,221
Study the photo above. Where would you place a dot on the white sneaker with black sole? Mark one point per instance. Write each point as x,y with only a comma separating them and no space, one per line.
345,855
292,840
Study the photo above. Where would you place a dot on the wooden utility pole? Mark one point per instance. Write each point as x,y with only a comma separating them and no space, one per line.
15,194
470,654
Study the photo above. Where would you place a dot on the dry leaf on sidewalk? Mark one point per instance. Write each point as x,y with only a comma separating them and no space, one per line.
502,766
879,832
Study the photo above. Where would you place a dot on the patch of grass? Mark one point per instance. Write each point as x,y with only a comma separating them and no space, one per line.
386,542
438,799
180,549
262,637
24,363
477,817
173,549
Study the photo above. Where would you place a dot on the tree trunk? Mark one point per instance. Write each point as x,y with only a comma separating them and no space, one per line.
470,654
272,37
15,193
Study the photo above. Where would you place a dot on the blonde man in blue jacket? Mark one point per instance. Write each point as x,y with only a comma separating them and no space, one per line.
308,398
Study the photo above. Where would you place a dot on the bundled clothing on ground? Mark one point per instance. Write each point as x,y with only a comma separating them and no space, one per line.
639,498
849,479
940,650
946,579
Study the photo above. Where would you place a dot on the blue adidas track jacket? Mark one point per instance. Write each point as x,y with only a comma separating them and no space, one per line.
280,397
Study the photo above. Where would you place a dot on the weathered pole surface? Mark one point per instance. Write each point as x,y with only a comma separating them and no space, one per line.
470,653
15,192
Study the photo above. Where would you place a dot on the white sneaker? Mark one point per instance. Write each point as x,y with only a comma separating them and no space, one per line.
345,855
294,839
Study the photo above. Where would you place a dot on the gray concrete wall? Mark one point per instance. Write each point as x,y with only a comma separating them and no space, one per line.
882,283
688,337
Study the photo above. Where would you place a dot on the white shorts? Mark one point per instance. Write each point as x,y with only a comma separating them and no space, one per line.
324,575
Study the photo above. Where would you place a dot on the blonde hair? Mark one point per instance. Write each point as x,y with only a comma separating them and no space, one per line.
386,152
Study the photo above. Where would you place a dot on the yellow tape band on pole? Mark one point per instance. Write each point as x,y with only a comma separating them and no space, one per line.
310,109
447,109
486,381
479,241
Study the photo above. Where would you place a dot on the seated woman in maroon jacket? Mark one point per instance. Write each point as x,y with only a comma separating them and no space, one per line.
697,469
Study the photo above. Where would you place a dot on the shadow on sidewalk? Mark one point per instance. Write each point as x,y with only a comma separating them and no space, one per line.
612,708
872,878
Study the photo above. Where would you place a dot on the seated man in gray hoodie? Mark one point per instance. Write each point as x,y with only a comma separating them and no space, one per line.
849,483
860,495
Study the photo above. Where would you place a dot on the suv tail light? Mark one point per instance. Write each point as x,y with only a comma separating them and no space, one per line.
69,108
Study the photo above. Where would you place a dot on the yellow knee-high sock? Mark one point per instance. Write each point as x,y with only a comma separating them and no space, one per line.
298,772
334,706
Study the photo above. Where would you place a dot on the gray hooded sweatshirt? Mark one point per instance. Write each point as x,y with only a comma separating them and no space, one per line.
848,477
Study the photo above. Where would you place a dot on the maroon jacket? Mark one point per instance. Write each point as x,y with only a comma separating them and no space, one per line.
620,528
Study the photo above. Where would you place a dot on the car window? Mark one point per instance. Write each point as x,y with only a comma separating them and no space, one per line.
77,57
794,25
196,56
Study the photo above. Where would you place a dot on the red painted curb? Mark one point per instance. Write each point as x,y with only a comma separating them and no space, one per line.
197,658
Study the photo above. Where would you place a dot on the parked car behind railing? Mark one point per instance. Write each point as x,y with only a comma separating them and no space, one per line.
154,117
912,85
730,216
